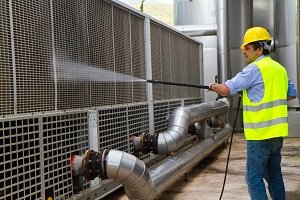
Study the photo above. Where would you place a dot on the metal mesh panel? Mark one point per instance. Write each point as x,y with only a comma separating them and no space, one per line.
71,54
172,61
188,102
198,100
121,28
138,57
175,64
156,60
6,75
113,132
118,125
195,67
161,111
137,122
173,105
33,56
20,164
62,135
78,39
35,152
166,65
174,58
183,54
100,28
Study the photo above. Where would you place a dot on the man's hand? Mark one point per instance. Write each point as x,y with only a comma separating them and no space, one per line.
210,87
221,89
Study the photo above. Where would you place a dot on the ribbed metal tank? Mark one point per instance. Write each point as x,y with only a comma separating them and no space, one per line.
204,13
285,23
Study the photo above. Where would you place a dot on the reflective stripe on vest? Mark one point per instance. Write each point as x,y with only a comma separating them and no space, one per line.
265,105
266,123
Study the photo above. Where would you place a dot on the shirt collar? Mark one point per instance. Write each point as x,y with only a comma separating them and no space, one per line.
261,57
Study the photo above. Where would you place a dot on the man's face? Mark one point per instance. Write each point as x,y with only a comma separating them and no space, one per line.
251,54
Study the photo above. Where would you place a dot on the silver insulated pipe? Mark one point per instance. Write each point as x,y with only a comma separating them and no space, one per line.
180,120
147,184
139,182
169,170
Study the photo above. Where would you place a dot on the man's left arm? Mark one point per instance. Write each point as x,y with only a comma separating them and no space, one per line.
292,92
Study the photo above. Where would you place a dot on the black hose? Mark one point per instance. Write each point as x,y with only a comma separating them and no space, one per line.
178,84
228,156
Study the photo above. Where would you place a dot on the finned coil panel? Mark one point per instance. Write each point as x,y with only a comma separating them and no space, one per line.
166,63
156,59
71,55
33,56
101,42
138,57
6,64
122,53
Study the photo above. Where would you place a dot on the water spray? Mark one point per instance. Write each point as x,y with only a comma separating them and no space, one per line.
179,84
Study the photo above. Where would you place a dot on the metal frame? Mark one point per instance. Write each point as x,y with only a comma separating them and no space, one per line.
69,116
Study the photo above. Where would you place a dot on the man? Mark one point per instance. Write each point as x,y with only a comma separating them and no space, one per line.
265,90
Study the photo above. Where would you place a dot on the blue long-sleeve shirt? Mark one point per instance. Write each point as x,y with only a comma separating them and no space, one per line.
250,78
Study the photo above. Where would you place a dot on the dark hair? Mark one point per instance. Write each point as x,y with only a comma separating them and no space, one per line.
259,44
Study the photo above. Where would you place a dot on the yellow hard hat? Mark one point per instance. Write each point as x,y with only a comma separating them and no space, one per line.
256,34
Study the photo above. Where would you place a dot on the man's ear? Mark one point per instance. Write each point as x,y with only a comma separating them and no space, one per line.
260,50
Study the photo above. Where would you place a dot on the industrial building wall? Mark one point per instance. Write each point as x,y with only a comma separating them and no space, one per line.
74,70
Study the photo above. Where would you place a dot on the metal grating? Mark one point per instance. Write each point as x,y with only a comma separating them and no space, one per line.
113,130
35,152
166,63
175,64
195,68
6,75
184,77
138,57
156,60
174,58
54,51
174,104
161,113
50,60
70,44
198,100
63,135
33,56
20,161
101,49
117,126
121,28
189,102
137,122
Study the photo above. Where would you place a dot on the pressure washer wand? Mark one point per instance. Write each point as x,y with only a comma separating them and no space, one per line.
179,84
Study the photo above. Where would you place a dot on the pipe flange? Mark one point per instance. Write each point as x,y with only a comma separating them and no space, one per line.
142,142
103,153
94,164
150,143
86,164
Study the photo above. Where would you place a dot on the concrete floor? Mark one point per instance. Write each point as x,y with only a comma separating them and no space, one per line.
204,181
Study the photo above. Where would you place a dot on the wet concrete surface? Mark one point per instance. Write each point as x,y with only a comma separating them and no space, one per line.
205,180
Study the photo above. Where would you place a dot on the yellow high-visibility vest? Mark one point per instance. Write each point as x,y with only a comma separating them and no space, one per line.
269,117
